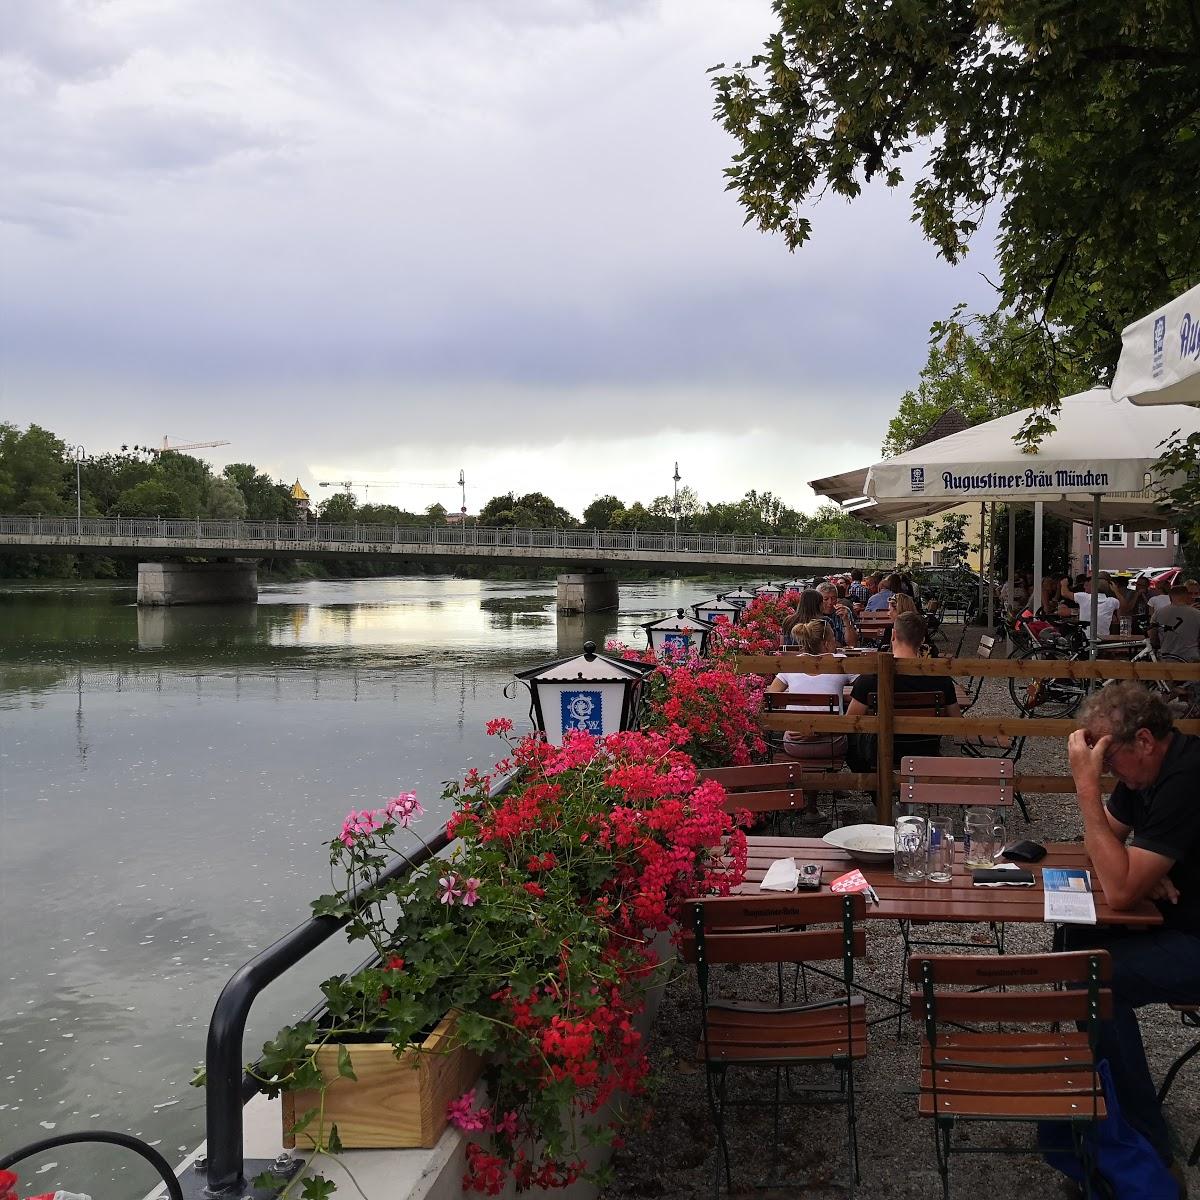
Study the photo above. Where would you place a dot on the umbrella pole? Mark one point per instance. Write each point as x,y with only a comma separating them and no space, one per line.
991,573
1037,545
982,560
1095,634
1012,556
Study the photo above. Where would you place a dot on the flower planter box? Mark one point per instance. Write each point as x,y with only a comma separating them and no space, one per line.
396,1103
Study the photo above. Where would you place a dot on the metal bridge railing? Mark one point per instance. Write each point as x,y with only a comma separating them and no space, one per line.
278,535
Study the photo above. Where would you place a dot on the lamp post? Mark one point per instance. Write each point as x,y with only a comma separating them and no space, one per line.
675,506
80,456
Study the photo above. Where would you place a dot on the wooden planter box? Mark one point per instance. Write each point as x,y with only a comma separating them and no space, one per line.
395,1103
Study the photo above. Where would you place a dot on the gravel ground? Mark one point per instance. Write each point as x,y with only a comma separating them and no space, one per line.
674,1155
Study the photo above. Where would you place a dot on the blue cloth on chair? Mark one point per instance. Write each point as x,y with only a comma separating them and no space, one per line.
1125,1160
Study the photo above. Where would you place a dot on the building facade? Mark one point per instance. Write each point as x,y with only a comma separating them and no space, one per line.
1124,550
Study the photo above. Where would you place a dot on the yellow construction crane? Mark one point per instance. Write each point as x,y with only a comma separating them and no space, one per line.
368,484
178,447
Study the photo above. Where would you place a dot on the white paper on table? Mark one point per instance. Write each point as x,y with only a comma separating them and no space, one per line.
782,876
1068,896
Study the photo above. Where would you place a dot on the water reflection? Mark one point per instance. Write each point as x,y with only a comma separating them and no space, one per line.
199,625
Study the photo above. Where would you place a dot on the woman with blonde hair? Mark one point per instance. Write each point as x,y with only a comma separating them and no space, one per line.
814,637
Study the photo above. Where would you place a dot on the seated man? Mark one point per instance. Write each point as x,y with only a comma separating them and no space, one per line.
1175,630
888,588
1128,731
908,636
836,614
1106,603
858,592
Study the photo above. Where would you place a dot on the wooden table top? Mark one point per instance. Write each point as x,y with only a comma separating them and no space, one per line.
958,900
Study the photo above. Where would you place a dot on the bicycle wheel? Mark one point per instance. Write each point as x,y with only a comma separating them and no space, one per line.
1183,699
1047,697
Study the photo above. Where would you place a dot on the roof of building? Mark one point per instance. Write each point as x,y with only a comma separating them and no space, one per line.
951,421
298,493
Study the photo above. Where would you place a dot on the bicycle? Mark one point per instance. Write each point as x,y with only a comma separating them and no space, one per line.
1062,696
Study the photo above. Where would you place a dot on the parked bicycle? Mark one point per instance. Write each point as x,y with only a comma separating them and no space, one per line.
1062,696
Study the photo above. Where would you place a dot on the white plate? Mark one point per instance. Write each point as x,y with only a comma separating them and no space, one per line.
867,843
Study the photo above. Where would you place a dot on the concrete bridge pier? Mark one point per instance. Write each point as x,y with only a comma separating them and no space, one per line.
167,583
588,591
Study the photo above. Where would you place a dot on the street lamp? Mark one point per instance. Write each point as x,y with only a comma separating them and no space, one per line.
676,477
80,456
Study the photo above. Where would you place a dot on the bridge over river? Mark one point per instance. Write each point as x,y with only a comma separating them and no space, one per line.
588,550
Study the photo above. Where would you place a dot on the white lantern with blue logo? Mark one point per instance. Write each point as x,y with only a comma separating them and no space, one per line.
769,589
710,610
738,596
592,692
678,634
795,585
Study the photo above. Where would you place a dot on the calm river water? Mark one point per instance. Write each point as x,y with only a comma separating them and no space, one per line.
167,779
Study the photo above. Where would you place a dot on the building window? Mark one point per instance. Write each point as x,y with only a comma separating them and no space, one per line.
1112,535
1150,538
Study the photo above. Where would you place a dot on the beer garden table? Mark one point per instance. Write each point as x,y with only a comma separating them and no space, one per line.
958,900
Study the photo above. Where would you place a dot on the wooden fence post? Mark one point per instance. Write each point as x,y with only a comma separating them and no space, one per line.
885,690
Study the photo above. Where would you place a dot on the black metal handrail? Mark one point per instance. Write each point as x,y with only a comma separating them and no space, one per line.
228,1086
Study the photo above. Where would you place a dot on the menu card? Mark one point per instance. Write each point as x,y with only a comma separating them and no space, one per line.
852,881
1068,896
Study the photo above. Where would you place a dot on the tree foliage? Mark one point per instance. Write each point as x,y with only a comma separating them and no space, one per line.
1070,127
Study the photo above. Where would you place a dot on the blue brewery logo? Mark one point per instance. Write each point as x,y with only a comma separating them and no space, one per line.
583,711
917,476
1156,356
678,641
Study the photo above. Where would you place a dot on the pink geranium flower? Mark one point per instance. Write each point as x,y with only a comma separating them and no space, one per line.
470,894
450,889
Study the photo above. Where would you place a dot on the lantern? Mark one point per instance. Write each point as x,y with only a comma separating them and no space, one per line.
678,633
710,610
595,693
769,589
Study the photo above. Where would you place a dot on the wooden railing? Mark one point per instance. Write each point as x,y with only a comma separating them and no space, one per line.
886,724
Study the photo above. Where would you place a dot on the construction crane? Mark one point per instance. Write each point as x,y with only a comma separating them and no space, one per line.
368,484
179,447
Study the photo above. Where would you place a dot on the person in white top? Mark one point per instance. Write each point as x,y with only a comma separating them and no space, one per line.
1107,603
814,637
1161,596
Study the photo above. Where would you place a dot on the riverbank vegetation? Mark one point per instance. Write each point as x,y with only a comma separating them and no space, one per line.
39,475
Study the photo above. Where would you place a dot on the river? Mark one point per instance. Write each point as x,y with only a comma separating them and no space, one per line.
167,781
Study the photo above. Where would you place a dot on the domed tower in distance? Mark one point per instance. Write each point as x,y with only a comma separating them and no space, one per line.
300,499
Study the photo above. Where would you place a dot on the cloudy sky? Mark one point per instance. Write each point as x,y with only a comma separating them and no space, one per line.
391,240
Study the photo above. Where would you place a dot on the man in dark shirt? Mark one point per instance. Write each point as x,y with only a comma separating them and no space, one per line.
908,636
1144,845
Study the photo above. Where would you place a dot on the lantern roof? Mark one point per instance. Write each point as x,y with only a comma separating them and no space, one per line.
679,621
737,594
591,665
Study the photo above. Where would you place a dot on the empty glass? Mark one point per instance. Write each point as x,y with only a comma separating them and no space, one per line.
983,839
912,842
939,861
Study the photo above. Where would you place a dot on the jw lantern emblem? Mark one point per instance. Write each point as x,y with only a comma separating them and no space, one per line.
678,635
711,610
589,692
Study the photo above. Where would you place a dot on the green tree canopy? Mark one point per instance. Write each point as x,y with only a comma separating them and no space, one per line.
265,500
1071,127
599,514
534,510
34,474
151,498
339,509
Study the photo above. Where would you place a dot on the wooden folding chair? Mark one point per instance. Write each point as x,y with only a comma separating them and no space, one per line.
763,929
1189,1014
817,703
911,704
970,1075
761,789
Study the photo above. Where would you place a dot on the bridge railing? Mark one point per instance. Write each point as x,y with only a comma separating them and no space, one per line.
193,532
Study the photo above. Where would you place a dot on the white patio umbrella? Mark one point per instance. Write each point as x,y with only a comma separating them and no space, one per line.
1099,447
1160,355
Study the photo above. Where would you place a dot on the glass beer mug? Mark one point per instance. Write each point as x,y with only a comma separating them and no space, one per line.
983,838
912,845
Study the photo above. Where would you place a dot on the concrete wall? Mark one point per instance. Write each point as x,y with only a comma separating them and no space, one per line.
161,583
